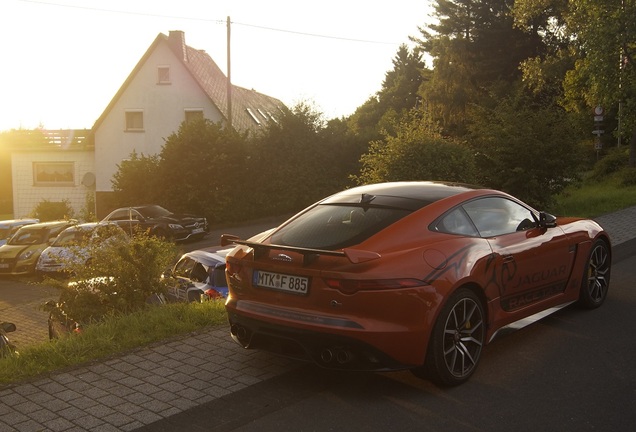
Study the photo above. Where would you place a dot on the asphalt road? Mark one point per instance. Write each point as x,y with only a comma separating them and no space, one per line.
572,371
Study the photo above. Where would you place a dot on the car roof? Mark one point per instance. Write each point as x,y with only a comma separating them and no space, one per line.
211,259
43,225
17,222
412,194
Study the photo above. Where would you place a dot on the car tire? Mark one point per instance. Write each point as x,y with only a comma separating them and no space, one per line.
457,340
596,276
163,234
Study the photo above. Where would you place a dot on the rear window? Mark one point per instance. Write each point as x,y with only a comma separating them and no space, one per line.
330,227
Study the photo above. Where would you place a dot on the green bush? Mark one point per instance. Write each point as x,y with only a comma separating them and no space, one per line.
47,210
627,177
613,162
120,277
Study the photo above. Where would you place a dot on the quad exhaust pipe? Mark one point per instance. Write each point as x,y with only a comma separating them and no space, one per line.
240,333
336,354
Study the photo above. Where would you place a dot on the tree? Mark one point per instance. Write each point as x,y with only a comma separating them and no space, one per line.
201,168
475,46
137,181
397,96
524,148
416,152
290,165
605,74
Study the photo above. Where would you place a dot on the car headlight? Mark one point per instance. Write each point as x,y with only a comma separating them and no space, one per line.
26,255
175,226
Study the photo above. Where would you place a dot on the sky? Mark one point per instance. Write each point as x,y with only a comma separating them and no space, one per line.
62,61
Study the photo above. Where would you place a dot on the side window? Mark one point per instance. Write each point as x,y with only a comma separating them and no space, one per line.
456,222
135,215
119,215
184,267
199,273
497,216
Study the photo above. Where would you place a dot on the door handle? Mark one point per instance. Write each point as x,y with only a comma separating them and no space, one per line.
508,258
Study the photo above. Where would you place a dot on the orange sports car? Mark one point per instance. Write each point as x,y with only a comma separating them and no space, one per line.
409,275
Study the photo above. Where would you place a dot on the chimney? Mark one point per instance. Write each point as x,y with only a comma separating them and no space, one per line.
176,39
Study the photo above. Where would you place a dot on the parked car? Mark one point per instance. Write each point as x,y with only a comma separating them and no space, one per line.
74,245
6,347
21,252
159,221
9,227
198,275
409,275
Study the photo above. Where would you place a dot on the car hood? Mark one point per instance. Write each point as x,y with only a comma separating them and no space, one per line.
62,252
178,218
8,251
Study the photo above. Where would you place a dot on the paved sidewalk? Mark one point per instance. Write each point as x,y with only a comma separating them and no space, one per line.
156,382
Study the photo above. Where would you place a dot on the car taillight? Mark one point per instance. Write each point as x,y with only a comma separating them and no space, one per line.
212,294
232,267
351,286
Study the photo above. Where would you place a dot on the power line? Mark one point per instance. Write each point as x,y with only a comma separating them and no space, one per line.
94,9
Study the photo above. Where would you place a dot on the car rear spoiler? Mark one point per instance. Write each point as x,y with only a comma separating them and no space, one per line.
355,256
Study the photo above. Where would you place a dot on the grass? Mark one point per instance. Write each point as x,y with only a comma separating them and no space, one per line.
595,199
112,336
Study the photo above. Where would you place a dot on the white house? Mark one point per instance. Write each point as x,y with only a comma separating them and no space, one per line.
171,83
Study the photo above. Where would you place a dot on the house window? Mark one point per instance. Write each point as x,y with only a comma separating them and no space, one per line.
193,115
163,75
53,174
134,121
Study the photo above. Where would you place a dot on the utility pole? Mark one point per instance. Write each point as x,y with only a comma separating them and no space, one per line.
229,77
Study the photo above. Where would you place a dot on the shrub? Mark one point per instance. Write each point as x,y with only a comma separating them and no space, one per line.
122,274
47,210
613,162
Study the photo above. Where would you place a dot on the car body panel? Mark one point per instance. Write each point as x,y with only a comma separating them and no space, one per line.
9,227
377,296
22,251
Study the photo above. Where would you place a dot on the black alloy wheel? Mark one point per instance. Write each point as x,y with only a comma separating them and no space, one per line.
596,277
457,340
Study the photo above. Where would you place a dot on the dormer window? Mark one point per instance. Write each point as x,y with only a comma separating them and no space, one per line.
163,75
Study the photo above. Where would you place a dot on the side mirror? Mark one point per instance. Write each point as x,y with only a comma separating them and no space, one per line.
546,220
227,239
7,327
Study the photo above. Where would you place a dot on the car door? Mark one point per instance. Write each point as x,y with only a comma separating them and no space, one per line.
529,263
122,218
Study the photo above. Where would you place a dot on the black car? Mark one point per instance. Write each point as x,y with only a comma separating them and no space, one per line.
159,221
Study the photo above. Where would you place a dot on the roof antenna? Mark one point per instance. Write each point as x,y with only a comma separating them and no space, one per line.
366,198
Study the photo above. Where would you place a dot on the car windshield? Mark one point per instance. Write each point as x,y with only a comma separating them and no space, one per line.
71,237
153,211
28,237
336,226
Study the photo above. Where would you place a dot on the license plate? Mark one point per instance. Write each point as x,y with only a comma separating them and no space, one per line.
3,265
197,230
281,282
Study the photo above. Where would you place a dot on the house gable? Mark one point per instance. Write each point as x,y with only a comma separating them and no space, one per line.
170,83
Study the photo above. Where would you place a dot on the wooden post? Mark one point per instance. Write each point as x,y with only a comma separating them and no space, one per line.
229,77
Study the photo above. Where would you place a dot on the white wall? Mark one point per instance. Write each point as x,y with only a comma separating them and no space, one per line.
26,195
